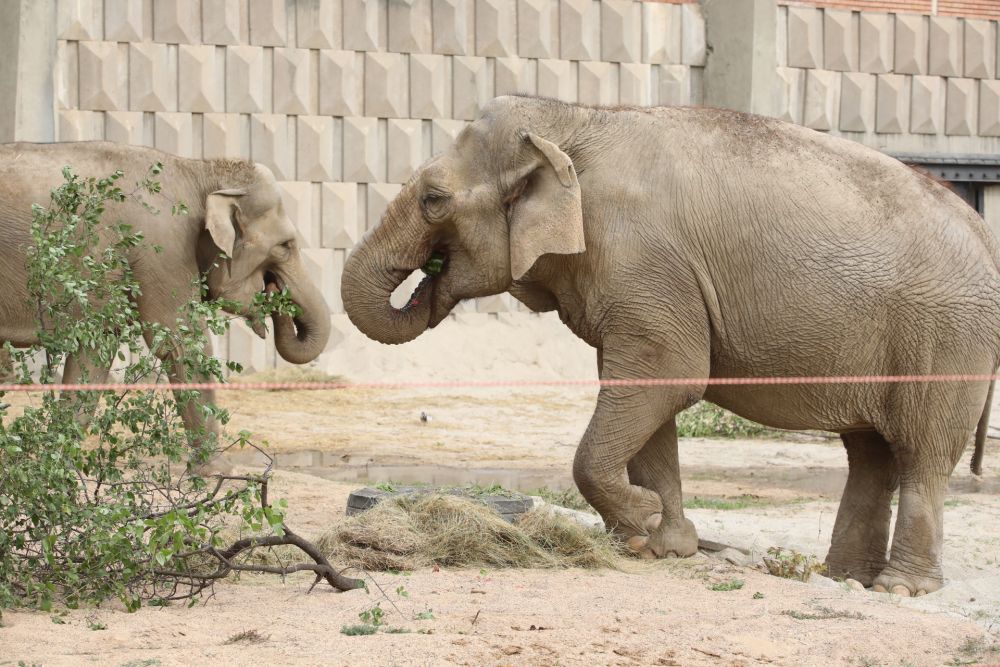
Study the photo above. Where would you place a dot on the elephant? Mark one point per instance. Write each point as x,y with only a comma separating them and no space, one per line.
235,233
698,243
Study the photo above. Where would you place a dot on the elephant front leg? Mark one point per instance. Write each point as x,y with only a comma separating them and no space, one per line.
625,420
657,468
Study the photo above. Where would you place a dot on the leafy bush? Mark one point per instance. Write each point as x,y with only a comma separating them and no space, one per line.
705,420
97,494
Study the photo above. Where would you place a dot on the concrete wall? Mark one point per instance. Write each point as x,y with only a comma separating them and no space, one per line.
344,98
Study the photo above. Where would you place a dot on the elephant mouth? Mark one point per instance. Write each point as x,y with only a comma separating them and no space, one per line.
433,269
272,285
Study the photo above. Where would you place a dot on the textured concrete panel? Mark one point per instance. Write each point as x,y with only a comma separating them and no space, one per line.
222,136
363,24
580,29
152,78
268,22
379,196
877,42
661,33
693,50
341,83
387,85
103,76
673,85
314,154
223,21
822,99
245,79
635,84
960,107
598,83
341,226
945,37
76,125
557,79
857,102
294,81
126,20
515,75
317,24
124,127
790,94
498,303
892,94
173,133
911,44
297,198
926,104
980,45
840,40
249,350
177,21
805,37
621,31
66,78
538,28
430,86
989,108
405,148
364,155
443,134
200,79
496,28
410,26
79,19
321,266
453,27
270,144
473,85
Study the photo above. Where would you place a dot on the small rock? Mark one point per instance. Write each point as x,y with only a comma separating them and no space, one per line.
854,585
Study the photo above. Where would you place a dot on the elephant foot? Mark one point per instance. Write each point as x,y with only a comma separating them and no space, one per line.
863,571
904,586
676,540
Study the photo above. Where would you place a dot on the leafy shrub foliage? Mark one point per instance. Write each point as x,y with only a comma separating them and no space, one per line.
99,495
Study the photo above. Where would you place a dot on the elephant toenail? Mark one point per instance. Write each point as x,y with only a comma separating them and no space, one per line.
921,592
901,591
879,588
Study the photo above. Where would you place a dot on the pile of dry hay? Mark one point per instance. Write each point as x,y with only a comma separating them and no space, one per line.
408,533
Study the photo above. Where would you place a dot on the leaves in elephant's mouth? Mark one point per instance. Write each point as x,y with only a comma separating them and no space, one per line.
435,264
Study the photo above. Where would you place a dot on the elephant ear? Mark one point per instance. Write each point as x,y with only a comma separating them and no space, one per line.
545,213
220,213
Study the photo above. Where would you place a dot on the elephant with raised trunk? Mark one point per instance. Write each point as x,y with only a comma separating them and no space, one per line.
235,233
699,243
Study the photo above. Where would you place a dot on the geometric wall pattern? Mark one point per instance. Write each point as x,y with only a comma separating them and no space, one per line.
885,73
343,99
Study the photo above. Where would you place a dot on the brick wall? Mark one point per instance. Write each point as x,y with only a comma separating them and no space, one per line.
343,99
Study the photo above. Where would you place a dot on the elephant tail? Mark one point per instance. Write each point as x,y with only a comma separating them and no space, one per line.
981,434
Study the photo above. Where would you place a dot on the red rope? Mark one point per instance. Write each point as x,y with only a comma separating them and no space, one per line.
445,384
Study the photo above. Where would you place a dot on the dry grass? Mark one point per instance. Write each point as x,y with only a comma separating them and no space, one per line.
408,533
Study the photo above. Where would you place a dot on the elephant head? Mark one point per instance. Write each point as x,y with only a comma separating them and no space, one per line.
502,196
245,220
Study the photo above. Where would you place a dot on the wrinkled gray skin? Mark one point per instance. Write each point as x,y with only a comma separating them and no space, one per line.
688,243
235,208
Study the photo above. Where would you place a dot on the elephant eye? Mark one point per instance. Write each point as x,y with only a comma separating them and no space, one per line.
434,204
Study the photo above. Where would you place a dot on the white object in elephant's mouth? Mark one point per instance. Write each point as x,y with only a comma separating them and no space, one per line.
402,294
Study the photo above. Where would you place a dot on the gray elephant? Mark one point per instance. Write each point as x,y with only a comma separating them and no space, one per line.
697,243
234,208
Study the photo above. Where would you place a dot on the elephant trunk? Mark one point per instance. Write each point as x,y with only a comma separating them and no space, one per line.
302,338
377,266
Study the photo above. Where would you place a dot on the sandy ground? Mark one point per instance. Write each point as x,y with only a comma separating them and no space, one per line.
665,613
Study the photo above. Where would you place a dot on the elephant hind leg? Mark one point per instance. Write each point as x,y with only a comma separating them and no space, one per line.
861,531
